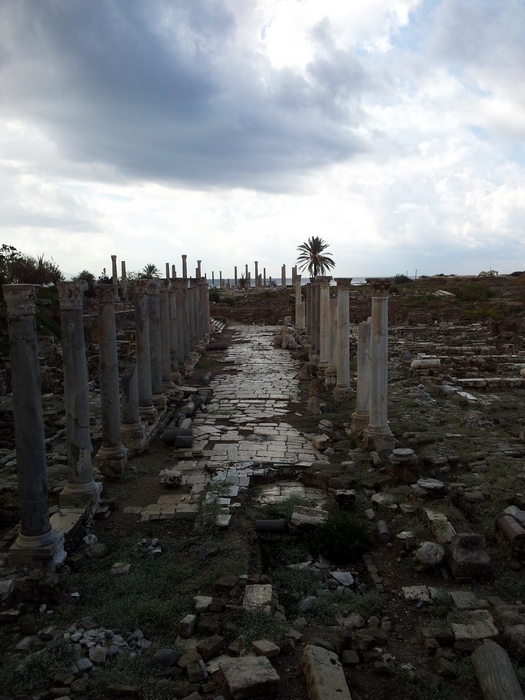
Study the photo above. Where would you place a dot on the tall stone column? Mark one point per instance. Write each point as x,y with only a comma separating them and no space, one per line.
189,318
342,388
378,435
132,428
361,416
299,306
315,335
146,407
256,274
37,545
193,289
324,322
331,371
175,357
283,276
264,277
184,267
165,335
114,276
235,276
221,281
167,271
198,273
155,343
173,272
124,280
81,489
206,310
112,456
182,323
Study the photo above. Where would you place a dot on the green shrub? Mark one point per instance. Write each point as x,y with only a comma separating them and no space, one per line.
214,295
472,291
401,279
341,538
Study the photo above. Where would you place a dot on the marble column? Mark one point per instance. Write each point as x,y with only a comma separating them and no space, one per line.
283,276
246,275
112,456
235,275
361,416
256,273
146,407
165,335
155,343
182,323
167,271
299,306
221,281
324,322
132,428
194,319
378,435
331,371
175,357
37,545
173,272
184,267
315,336
342,389
264,277
206,298
114,277
81,489
198,273
124,280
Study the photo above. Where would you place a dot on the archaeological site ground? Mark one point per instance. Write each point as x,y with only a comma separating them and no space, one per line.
282,492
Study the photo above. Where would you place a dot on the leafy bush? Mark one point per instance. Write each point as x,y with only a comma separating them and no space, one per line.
401,279
214,295
341,538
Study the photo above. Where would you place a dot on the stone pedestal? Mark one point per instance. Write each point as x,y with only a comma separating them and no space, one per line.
378,435
132,428
146,407
324,323
361,416
112,456
403,466
342,389
37,545
81,489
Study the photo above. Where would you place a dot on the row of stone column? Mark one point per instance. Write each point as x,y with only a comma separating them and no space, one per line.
327,324
172,324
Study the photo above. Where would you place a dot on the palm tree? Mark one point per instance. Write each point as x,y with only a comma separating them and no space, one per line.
150,270
312,257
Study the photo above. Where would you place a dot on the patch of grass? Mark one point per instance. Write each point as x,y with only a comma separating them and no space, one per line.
326,611
34,673
256,624
510,586
341,538
127,671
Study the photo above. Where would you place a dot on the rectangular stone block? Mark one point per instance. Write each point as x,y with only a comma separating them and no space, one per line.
325,678
249,677
258,596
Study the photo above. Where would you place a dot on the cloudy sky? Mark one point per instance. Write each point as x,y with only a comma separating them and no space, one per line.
232,130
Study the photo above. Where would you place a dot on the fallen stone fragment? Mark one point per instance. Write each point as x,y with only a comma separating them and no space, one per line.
262,647
187,625
344,578
308,517
249,677
202,603
165,657
170,477
324,673
120,568
210,647
430,554
258,596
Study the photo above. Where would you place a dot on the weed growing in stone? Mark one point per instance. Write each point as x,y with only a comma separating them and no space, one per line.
34,672
341,538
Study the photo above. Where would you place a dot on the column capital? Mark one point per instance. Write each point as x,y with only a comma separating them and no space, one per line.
343,283
139,286
71,294
153,286
324,280
20,299
106,293
379,286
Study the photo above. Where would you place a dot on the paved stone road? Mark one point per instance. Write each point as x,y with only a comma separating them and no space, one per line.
244,430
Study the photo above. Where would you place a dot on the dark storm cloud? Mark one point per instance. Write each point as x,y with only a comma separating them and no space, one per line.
162,90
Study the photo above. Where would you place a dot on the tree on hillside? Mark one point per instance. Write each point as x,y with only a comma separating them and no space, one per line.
313,258
19,268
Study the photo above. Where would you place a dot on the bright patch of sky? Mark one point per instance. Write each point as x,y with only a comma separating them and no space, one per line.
232,130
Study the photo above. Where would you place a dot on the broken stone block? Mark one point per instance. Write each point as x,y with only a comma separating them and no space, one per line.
467,557
324,674
202,603
187,626
480,626
308,517
321,442
465,600
262,647
120,568
430,554
170,477
210,647
258,597
249,677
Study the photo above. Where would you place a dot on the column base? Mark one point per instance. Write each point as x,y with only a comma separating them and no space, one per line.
160,402
148,414
378,439
85,496
342,393
111,461
360,421
330,376
134,436
38,552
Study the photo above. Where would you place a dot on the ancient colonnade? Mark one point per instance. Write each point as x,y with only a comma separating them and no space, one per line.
172,327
